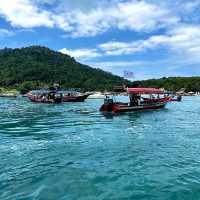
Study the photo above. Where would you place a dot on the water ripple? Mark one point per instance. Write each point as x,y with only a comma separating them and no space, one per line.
71,151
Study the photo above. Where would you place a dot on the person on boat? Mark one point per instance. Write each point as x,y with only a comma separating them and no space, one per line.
135,99
179,98
43,97
51,94
56,87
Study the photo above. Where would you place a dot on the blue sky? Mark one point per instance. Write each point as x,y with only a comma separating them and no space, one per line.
151,38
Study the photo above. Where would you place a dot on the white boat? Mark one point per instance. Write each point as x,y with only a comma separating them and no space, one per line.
97,95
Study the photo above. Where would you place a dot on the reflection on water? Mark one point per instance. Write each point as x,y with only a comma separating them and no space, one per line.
71,151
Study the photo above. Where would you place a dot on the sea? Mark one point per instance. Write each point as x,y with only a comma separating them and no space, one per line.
71,151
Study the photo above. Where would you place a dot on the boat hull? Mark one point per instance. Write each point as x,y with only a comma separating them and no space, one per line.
121,107
9,96
36,99
80,98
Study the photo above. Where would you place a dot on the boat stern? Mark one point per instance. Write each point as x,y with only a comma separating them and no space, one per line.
108,105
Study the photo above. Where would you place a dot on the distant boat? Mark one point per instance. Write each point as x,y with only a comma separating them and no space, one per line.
44,96
69,96
8,95
178,98
97,95
174,97
48,96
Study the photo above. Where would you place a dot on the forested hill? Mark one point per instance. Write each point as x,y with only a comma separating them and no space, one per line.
172,83
37,66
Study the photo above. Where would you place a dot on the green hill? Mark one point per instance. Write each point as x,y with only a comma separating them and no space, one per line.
36,66
171,83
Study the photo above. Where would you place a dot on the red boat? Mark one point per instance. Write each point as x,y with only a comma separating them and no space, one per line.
136,101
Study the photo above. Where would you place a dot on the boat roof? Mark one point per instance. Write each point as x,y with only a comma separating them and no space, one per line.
144,90
44,91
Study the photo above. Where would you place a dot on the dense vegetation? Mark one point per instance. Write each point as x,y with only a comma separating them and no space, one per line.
36,67
172,83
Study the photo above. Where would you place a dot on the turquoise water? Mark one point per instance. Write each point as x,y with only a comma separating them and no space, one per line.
71,151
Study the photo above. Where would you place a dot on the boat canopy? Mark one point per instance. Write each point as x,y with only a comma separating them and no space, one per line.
144,90
46,91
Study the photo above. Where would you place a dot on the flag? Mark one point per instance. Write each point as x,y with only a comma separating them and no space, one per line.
128,74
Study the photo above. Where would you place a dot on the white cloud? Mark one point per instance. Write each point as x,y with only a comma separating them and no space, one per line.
84,54
62,23
119,48
191,5
132,15
186,40
114,48
22,13
182,40
142,16
5,33
111,64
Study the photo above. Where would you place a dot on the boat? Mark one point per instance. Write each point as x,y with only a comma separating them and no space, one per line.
8,95
97,95
137,102
54,96
178,98
174,96
69,96
44,96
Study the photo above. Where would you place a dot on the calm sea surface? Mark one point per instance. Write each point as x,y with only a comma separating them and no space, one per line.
71,151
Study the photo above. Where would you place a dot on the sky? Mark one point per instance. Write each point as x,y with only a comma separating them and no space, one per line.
151,38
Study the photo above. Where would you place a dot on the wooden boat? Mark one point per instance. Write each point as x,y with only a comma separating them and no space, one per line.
74,96
44,96
48,96
8,95
136,103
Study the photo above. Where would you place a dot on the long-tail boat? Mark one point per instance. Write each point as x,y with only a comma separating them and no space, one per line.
44,96
48,96
69,96
137,102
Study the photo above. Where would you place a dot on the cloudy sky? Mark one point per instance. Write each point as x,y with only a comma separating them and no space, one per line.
151,38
